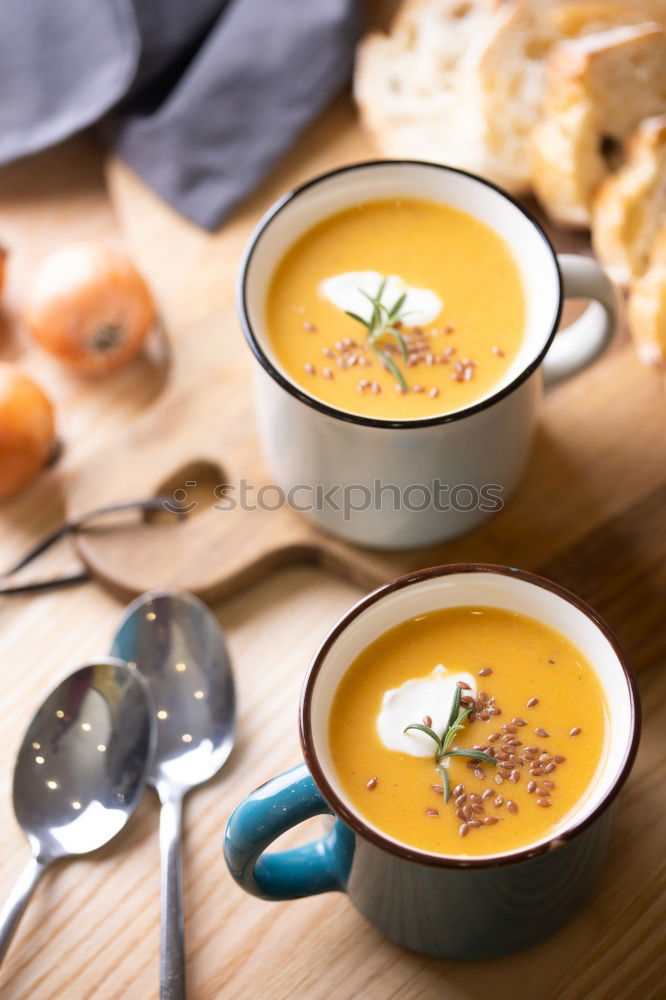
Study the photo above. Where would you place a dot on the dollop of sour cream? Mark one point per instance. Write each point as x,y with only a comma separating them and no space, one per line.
431,695
345,291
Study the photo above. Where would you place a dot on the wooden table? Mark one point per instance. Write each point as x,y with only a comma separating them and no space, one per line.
92,929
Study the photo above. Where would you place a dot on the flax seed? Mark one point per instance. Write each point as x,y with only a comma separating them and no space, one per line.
489,820
479,773
509,729
559,759
514,776
495,710
541,732
531,787
531,749
432,812
364,361
485,671
464,685
493,738
475,822
375,387
460,800
327,352
549,784
418,388
448,329
434,392
499,779
327,373
488,794
459,789
309,326
544,803
463,830
498,352
575,731
427,721
339,346
549,768
372,784
438,789
499,802
532,702
460,814
474,799
467,812
519,722
310,368
478,809
482,696
511,806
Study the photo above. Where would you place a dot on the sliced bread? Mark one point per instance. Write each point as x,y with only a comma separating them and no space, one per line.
509,59
413,91
598,88
647,306
630,207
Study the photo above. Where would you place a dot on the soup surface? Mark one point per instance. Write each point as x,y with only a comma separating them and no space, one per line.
537,709
461,321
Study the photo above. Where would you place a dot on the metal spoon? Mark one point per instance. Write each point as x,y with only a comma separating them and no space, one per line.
80,772
178,646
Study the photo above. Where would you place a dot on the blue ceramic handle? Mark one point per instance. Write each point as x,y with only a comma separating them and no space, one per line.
267,813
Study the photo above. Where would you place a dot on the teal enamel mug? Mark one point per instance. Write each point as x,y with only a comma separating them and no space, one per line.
502,902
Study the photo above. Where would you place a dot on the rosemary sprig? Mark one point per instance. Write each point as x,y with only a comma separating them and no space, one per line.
382,323
455,725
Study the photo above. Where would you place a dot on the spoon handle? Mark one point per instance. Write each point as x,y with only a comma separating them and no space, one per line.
172,954
17,901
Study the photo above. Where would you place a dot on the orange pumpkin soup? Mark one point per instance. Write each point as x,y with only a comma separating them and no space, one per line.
532,713
437,303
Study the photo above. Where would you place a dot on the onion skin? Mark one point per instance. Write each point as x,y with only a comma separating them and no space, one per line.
90,308
27,430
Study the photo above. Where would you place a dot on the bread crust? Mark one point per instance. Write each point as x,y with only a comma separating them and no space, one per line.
647,307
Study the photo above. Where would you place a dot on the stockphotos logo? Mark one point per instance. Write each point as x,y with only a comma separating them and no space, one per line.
350,499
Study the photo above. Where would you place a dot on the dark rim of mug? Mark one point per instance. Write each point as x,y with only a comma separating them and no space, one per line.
357,418
357,823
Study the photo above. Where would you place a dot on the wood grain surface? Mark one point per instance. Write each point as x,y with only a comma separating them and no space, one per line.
590,515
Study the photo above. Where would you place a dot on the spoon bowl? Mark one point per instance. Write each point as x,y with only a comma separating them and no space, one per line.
80,771
175,642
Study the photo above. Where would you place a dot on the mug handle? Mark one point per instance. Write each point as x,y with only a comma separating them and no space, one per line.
262,817
578,345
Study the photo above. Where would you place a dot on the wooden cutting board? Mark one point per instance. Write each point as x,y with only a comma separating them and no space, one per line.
605,427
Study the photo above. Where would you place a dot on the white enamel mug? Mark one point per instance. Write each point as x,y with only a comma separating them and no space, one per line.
405,483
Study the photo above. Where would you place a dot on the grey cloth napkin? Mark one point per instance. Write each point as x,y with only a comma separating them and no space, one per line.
200,97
